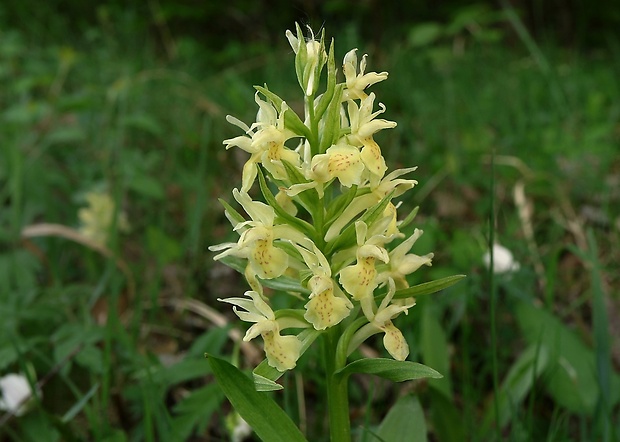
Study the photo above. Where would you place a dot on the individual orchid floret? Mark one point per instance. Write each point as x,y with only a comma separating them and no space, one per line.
282,351
360,279
328,305
363,121
381,322
265,142
403,263
341,161
390,183
363,126
357,82
256,241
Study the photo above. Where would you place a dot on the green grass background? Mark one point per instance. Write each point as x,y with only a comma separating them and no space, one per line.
511,134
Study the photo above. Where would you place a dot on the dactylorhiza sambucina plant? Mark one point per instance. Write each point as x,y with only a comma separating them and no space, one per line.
327,233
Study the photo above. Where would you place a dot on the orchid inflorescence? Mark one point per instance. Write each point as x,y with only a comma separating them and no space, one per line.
327,234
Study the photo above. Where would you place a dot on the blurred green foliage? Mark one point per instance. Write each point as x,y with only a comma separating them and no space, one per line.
130,97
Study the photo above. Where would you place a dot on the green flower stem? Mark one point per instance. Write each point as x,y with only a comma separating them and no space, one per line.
337,390
314,125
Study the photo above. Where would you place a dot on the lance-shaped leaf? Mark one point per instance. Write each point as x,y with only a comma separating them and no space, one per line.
234,215
405,422
282,283
309,200
299,224
331,129
517,384
337,206
404,223
427,288
395,371
348,237
265,417
326,98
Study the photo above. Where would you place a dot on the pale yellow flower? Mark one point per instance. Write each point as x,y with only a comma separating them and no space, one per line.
360,279
341,161
364,125
381,322
402,263
328,305
256,241
357,82
282,351
363,121
265,142
97,219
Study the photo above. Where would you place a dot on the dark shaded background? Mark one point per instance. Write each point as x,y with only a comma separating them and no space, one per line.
580,24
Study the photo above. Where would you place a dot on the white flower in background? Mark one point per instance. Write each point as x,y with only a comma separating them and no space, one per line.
239,429
16,392
503,261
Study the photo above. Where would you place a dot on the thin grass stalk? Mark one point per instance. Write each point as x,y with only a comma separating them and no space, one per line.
493,309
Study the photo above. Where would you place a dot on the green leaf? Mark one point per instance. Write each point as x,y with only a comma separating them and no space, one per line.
395,371
404,223
405,422
265,417
337,206
183,371
145,123
297,223
308,199
425,34
195,410
427,288
236,216
518,382
283,283
447,420
291,119
326,98
348,238
147,186
434,347
262,383
163,246
331,128
572,374
79,405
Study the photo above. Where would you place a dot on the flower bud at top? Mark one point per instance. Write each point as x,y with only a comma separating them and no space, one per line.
310,58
